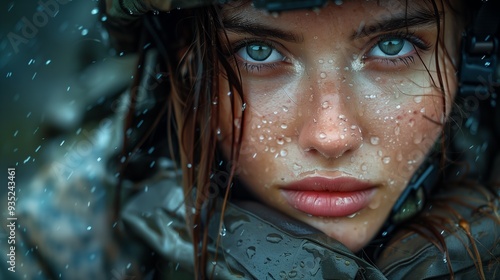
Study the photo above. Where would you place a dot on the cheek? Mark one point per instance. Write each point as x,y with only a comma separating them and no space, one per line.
402,131
266,138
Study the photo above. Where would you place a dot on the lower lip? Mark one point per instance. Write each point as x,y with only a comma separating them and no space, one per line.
329,204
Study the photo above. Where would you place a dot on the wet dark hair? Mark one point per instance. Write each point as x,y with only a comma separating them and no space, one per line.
191,54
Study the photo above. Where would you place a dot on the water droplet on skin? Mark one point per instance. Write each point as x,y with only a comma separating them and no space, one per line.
280,141
380,153
418,138
285,109
342,136
284,126
322,136
398,107
321,61
352,215
399,156
342,117
417,99
237,122
261,138
315,37
386,160
322,75
353,159
375,203
250,252
374,140
363,167
411,123
283,153
330,61
272,149
297,167
324,105
397,130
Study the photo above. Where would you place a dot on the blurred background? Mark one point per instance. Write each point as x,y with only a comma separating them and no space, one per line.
59,80
55,65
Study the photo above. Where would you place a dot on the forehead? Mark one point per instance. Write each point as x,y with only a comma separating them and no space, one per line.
340,9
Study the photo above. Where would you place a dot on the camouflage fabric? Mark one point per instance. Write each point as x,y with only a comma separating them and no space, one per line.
65,224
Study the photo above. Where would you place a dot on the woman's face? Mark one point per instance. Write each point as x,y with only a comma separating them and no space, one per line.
340,108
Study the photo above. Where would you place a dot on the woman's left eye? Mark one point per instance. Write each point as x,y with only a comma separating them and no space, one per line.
391,48
259,53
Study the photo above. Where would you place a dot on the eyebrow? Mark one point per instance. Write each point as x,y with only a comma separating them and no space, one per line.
416,18
239,25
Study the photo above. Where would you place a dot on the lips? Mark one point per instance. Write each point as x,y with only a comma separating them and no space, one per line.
329,197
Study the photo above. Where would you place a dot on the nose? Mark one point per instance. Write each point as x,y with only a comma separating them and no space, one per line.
331,129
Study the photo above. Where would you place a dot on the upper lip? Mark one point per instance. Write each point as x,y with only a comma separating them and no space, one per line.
325,184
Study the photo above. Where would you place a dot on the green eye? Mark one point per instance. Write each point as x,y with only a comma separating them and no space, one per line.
259,52
392,46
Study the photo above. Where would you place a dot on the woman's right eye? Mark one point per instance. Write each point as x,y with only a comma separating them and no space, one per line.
259,53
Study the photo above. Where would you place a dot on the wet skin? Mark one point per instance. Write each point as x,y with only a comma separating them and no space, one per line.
339,112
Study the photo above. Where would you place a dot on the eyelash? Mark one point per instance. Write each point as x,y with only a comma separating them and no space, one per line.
416,42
